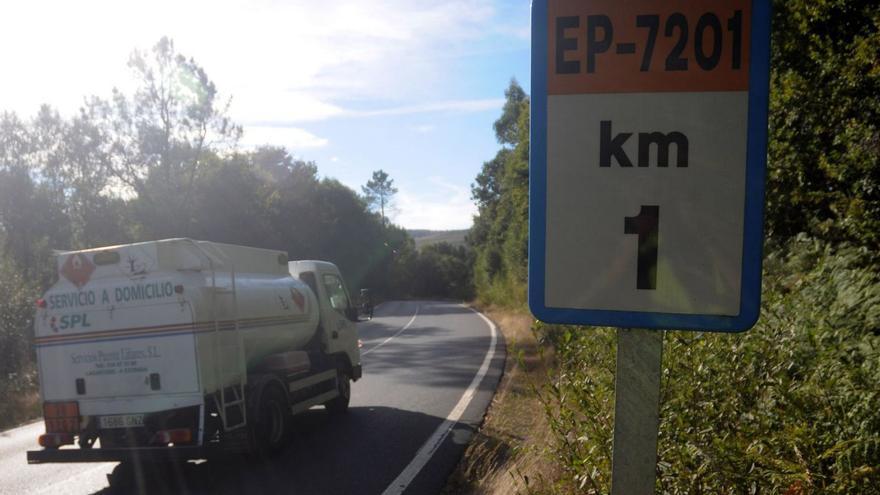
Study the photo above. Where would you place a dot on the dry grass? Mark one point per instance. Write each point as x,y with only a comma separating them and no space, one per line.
506,454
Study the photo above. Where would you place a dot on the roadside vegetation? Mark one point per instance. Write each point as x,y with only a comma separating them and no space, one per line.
166,161
507,455
790,406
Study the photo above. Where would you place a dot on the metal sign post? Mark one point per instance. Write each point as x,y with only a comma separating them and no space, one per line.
646,182
636,411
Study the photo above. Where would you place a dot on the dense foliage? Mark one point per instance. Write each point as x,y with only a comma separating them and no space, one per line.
442,268
789,407
165,162
824,177
500,232
18,378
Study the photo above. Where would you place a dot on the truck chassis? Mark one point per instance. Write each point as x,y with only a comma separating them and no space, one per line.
329,386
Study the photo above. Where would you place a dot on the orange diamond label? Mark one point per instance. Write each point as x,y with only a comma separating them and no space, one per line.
78,269
298,298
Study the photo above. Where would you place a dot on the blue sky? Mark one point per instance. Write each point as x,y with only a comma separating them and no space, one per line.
408,86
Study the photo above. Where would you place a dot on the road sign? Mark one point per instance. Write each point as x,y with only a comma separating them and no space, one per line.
648,149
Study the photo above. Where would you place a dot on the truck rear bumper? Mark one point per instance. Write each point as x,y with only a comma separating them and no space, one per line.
145,454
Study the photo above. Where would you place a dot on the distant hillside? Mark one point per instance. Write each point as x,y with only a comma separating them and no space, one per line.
427,237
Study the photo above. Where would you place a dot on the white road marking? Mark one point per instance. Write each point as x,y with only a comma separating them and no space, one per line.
427,450
380,344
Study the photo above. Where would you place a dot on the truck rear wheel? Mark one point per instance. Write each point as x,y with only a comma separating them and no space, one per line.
339,404
271,423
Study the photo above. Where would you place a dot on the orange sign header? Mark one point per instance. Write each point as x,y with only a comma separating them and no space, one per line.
615,46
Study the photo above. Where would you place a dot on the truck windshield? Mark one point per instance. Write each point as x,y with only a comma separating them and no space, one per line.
336,292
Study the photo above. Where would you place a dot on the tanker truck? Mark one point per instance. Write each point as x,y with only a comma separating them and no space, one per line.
180,349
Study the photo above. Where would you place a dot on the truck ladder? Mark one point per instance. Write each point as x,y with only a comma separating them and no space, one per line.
229,357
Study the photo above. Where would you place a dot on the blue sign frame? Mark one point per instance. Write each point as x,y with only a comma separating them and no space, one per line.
756,164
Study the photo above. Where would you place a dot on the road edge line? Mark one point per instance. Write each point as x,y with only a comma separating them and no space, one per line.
427,450
380,344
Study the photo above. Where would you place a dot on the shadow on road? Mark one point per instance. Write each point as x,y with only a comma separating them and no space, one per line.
313,463
449,363
448,360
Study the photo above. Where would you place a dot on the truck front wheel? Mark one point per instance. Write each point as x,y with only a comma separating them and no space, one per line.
339,404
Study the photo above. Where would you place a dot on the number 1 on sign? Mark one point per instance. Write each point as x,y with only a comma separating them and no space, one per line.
646,225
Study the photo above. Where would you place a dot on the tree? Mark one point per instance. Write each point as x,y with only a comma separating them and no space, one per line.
824,152
162,136
499,237
506,131
32,205
444,271
379,191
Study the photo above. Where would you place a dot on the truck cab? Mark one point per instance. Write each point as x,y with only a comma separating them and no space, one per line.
338,314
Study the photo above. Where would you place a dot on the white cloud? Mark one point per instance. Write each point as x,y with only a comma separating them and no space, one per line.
423,128
294,109
282,106
454,106
448,208
292,138
295,61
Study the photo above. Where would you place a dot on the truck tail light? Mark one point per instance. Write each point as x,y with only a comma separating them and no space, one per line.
176,436
61,417
51,440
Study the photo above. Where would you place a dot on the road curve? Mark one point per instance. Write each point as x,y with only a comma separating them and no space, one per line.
430,370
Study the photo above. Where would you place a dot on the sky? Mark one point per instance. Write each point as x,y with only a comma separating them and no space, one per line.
408,86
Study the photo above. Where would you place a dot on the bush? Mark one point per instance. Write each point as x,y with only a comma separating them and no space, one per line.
788,407
18,378
579,404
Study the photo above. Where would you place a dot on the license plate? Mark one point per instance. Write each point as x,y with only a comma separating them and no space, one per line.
122,421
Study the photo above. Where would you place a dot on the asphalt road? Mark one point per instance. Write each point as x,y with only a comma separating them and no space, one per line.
430,370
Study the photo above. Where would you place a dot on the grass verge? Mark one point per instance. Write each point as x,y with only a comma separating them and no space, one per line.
506,455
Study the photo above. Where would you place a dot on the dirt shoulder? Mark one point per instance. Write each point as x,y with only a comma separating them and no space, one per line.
506,454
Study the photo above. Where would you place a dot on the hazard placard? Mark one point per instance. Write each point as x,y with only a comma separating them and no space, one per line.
648,146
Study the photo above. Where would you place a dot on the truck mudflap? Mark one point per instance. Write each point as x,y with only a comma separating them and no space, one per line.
142,454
